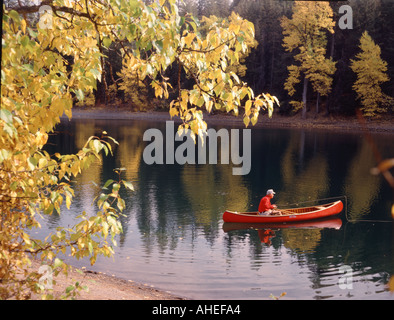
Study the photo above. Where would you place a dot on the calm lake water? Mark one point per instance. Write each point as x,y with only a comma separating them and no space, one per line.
174,237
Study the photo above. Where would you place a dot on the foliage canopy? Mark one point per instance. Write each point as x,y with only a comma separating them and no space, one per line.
47,67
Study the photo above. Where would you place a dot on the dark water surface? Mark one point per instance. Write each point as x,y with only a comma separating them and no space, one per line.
174,237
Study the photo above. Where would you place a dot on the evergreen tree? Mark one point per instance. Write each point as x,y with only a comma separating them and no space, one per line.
266,63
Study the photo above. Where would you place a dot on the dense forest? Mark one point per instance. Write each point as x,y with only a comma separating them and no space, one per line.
267,64
265,69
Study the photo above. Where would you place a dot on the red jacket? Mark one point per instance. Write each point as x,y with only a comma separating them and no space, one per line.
265,204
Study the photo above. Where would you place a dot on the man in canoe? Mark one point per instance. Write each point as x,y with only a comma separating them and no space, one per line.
265,206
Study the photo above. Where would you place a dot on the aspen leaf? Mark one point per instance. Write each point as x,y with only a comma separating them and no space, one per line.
23,25
57,263
189,38
68,202
121,204
107,183
246,121
128,185
96,146
270,108
173,112
79,94
276,100
42,163
248,105
107,42
254,119
209,105
32,163
70,288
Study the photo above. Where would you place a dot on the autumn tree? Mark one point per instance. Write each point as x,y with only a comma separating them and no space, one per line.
306,33
37,88
371,74
47,66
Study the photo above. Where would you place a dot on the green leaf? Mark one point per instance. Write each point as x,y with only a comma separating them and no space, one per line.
4,154
28,67
128,185
158,45
90,247
49,209
6,115
96,74
107,42
70,288
132,29
79,94
32,163
96,146
113,140
58,263
116,187
25,40
121,204
107,183
14,15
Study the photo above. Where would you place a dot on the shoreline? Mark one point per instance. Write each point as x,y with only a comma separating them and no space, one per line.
277,121
105,287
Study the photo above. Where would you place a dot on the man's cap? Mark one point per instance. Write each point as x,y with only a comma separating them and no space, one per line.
270,191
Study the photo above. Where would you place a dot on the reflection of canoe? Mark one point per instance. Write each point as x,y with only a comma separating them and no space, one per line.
331,223
288,215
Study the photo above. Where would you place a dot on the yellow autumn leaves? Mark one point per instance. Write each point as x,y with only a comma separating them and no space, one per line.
44,71
306,33
208,53
371,73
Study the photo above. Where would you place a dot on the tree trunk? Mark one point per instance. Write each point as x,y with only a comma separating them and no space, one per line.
330,96
304,92
272,63
317,103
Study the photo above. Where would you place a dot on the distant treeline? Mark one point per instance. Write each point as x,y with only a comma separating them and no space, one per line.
266,65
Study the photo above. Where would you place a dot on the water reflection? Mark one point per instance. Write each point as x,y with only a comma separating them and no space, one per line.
173,219
362,189
298,236
300,166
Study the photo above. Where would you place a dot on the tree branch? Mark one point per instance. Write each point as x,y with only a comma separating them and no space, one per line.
36,8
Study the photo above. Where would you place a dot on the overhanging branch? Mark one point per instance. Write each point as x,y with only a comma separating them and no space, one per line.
35,8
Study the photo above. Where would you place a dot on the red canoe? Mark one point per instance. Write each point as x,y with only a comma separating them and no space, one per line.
288,215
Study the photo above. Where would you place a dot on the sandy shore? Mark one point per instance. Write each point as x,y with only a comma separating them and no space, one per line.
385,124
105,287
